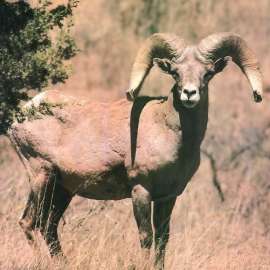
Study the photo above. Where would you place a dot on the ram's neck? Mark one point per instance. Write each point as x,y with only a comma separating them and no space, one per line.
191,122
194,124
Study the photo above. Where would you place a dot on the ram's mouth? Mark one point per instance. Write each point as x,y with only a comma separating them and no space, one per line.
189,104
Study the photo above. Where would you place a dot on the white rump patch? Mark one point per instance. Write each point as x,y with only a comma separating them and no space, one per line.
35,101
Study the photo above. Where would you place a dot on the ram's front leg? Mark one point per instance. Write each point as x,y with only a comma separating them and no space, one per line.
161,217
141,200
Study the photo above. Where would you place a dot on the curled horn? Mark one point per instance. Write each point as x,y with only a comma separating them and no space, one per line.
221,45
158,45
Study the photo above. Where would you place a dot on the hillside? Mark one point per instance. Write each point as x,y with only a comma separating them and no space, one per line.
206,232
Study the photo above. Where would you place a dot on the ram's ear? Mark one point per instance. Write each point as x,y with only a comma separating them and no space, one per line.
221,63
164,64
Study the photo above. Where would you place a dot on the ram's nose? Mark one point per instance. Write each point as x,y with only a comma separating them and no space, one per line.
190,92
190,96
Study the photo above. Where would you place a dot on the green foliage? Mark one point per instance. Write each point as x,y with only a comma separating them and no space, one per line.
33,112
34,41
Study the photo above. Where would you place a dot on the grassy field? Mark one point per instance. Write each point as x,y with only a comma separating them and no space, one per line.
206,233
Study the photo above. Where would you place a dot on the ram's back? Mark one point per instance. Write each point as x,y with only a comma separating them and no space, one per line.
76,137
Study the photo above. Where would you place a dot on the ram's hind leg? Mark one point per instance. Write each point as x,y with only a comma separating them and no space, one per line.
30,218
46,204
52,206
27,220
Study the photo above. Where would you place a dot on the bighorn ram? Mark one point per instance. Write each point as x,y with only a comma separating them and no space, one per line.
148,150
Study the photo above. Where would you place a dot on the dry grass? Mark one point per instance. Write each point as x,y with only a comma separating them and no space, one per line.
206,234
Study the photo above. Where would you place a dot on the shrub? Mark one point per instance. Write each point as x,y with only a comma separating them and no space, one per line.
34,42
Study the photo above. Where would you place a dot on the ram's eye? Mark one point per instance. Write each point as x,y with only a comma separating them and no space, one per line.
208,75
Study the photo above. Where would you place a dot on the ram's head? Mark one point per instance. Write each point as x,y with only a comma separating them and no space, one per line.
192,67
